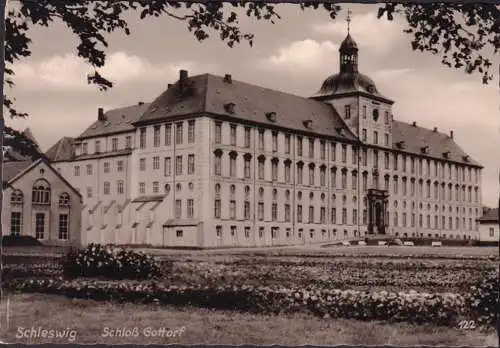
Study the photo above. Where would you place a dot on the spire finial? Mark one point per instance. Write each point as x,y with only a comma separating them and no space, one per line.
348,20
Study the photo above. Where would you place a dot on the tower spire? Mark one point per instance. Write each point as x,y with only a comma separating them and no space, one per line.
348,19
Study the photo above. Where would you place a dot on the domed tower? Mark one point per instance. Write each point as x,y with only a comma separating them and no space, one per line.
356,98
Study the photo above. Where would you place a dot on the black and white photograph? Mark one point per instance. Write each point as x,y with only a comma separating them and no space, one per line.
250,173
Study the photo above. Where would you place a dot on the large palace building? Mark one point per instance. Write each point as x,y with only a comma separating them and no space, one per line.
217,162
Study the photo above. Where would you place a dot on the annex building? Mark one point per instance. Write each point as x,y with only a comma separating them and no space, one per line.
217,162
38,201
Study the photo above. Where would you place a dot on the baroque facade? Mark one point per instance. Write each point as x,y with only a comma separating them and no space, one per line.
217,162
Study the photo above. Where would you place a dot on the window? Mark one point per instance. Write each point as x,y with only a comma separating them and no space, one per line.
16,222
97,146
311,214
287,171
190,208
492,232
287,143
354,155
300,174
375,159
142,188
334,216
178,165
355,216
364,111
85,148
218,231
217,208
364,157
41,192
365,182
191,131
344,179
274,211
333,177
128,142
260,211
363,134
299,213
386,139
63,226
396,185
375,137
77,170
344,216
354,180
322,215
156,136
344,153
333,154
106,188
247,210
119,166
261,168
347,111
89,169
247,136
190,164
311,147
168,166
142,164
274,170
39,225
261,139
299,146
311,175
232,165
114,144
386,117
168,134
218,164
179,233
142,138
120,187
233,135
395,161
156,186
247,165
287,212
275,141
233,231
247,232
89,192
16,198
178,208
156,162
322,176
179,132
218,132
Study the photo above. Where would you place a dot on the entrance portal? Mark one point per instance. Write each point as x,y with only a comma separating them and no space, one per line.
377,210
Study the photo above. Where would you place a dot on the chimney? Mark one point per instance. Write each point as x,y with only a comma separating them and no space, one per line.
451,134
435,129
414,124
229,107
183,77
228,79
100,115
140,103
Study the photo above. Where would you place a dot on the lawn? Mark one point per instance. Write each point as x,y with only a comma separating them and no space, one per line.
92,320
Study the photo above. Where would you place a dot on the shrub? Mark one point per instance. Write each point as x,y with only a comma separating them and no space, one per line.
14,240
109,262
483,299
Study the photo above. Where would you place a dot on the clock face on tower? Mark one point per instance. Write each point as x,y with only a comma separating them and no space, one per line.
375,115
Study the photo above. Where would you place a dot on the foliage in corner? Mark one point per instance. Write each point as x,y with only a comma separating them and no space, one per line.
483,299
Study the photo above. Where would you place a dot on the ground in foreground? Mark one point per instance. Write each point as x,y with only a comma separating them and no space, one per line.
93,320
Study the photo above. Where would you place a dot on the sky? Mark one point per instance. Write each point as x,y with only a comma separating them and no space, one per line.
294,55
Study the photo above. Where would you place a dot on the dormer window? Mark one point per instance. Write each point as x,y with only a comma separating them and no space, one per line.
446,154
308,124
424,149
339,130
347,112
375,115
229,107
400,144
271,116
466,158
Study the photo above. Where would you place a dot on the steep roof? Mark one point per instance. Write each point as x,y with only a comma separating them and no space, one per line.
209,94
117,120
62,150
490,216
415,138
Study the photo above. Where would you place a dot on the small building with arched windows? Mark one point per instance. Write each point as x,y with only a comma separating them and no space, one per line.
39,202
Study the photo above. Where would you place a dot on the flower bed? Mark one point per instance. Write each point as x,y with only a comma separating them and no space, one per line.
441,309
